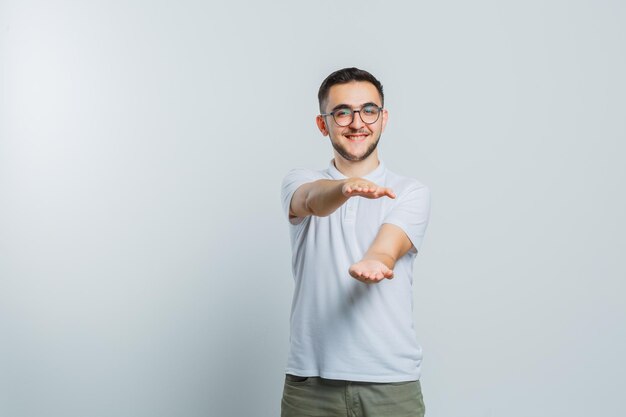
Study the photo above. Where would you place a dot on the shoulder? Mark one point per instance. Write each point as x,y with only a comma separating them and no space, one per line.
294,179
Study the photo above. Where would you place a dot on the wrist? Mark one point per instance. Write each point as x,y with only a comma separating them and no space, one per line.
383,258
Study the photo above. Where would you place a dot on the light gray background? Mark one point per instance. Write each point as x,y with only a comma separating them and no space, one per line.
144,258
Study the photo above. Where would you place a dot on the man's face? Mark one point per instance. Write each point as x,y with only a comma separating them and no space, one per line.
358,140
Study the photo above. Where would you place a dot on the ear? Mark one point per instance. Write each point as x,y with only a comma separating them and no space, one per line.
385,117
321,124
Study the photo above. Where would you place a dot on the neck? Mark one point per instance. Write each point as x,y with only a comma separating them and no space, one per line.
356,168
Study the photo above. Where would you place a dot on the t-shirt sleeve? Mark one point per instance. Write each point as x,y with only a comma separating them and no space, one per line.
411,213
292,181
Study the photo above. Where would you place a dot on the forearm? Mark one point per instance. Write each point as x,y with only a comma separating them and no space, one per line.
323,197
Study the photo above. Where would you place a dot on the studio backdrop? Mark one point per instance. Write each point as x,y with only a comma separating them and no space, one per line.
145,266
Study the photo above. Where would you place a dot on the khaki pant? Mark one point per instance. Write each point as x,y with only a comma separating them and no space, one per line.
319,397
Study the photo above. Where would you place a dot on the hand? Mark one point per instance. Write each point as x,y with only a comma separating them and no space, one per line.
370,271
363,188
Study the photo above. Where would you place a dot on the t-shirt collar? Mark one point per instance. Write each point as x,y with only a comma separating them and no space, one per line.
375,176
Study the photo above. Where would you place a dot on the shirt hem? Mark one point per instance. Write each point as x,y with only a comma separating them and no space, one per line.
344,376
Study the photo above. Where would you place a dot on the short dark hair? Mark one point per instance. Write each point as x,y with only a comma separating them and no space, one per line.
344,76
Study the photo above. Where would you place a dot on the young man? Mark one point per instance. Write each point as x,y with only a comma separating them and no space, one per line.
355,229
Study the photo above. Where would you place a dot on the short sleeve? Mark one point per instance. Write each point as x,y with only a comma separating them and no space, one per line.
411,213
292,181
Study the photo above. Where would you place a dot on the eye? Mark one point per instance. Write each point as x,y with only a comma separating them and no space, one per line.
343,113
370,110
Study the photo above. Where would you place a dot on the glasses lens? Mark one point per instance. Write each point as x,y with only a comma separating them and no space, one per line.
343,117
369,114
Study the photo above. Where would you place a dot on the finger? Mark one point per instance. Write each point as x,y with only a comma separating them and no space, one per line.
369,276
376,192
370,193
381,192
359,278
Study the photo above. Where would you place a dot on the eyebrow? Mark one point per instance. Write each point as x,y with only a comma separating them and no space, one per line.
345,106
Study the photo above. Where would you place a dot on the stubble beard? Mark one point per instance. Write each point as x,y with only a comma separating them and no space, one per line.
354,158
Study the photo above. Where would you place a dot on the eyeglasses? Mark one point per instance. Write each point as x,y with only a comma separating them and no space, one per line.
344,116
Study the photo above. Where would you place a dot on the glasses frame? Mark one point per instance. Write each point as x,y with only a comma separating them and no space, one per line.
332,113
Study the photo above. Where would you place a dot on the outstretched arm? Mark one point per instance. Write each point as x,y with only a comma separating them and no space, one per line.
322,197
390,244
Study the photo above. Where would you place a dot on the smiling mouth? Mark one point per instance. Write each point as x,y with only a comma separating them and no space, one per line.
356,138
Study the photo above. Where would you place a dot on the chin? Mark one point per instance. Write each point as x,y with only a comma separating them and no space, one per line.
348,156
354,158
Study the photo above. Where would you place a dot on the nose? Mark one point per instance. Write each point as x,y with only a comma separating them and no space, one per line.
357,122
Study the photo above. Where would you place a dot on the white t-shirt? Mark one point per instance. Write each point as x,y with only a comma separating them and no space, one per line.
342,328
